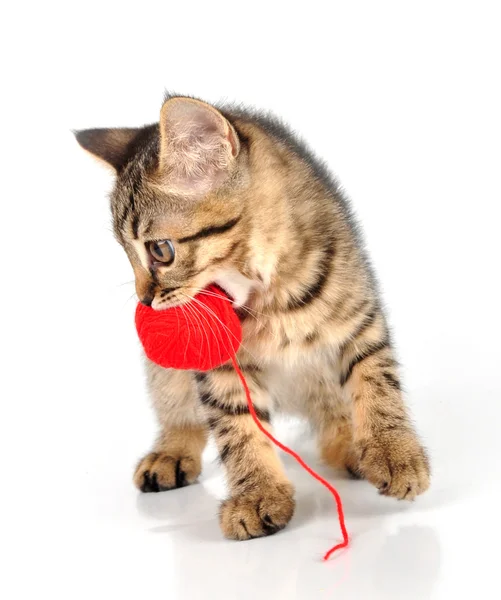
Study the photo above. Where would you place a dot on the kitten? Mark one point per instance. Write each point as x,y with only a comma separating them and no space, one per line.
231,197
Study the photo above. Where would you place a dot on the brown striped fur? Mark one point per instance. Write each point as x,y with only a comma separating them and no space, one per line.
247,206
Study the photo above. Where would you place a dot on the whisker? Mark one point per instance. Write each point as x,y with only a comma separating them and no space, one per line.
128,300
226,299
186,315
204,292
198,317
227,330
248,310
213,314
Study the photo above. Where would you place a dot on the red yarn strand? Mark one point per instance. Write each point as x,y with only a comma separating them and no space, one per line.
315,475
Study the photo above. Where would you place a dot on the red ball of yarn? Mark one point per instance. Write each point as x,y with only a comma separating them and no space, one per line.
197,336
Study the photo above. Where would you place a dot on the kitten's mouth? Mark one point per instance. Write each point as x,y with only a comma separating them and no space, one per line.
235,285
180,298
225,291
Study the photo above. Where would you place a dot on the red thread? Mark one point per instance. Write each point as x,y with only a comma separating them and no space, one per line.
177,338
296,456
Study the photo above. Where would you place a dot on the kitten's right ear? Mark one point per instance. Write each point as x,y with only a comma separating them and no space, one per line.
198,146
113,146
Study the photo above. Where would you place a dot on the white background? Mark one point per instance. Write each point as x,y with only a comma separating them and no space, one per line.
403,101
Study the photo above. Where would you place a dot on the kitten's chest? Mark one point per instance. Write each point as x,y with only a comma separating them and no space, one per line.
285,339
274,335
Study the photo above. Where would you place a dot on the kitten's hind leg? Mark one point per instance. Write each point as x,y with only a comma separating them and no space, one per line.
331,419
337,447
176,457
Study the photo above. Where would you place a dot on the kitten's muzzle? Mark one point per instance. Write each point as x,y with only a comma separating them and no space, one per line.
147,300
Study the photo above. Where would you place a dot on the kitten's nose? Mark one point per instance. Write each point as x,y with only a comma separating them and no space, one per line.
147,300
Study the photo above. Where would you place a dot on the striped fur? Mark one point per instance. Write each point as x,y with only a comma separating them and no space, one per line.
245,204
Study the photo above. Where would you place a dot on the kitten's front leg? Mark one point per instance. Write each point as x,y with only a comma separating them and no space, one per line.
261,498
389,451
176,457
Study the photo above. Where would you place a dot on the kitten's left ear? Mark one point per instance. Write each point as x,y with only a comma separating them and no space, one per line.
198,146
113,146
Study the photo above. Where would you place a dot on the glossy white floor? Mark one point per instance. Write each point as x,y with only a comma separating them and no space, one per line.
402,100
77,528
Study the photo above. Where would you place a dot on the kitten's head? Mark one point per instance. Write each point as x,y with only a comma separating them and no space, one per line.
176,206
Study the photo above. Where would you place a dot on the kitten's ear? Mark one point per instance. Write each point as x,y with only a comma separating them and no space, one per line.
198,146
113,146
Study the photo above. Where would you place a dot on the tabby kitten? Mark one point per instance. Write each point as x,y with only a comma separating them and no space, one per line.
230,197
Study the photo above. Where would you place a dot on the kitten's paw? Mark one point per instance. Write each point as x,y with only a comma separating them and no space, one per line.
158,472
397,465
257,514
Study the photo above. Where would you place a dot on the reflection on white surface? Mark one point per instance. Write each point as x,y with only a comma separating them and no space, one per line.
397,549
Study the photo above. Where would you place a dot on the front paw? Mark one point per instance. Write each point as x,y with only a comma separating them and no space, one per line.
397,465
262,512
158,472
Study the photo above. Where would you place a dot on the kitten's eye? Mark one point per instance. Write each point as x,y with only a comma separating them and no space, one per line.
162,251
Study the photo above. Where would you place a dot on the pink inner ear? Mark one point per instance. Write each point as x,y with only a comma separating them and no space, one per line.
187,118
197,146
